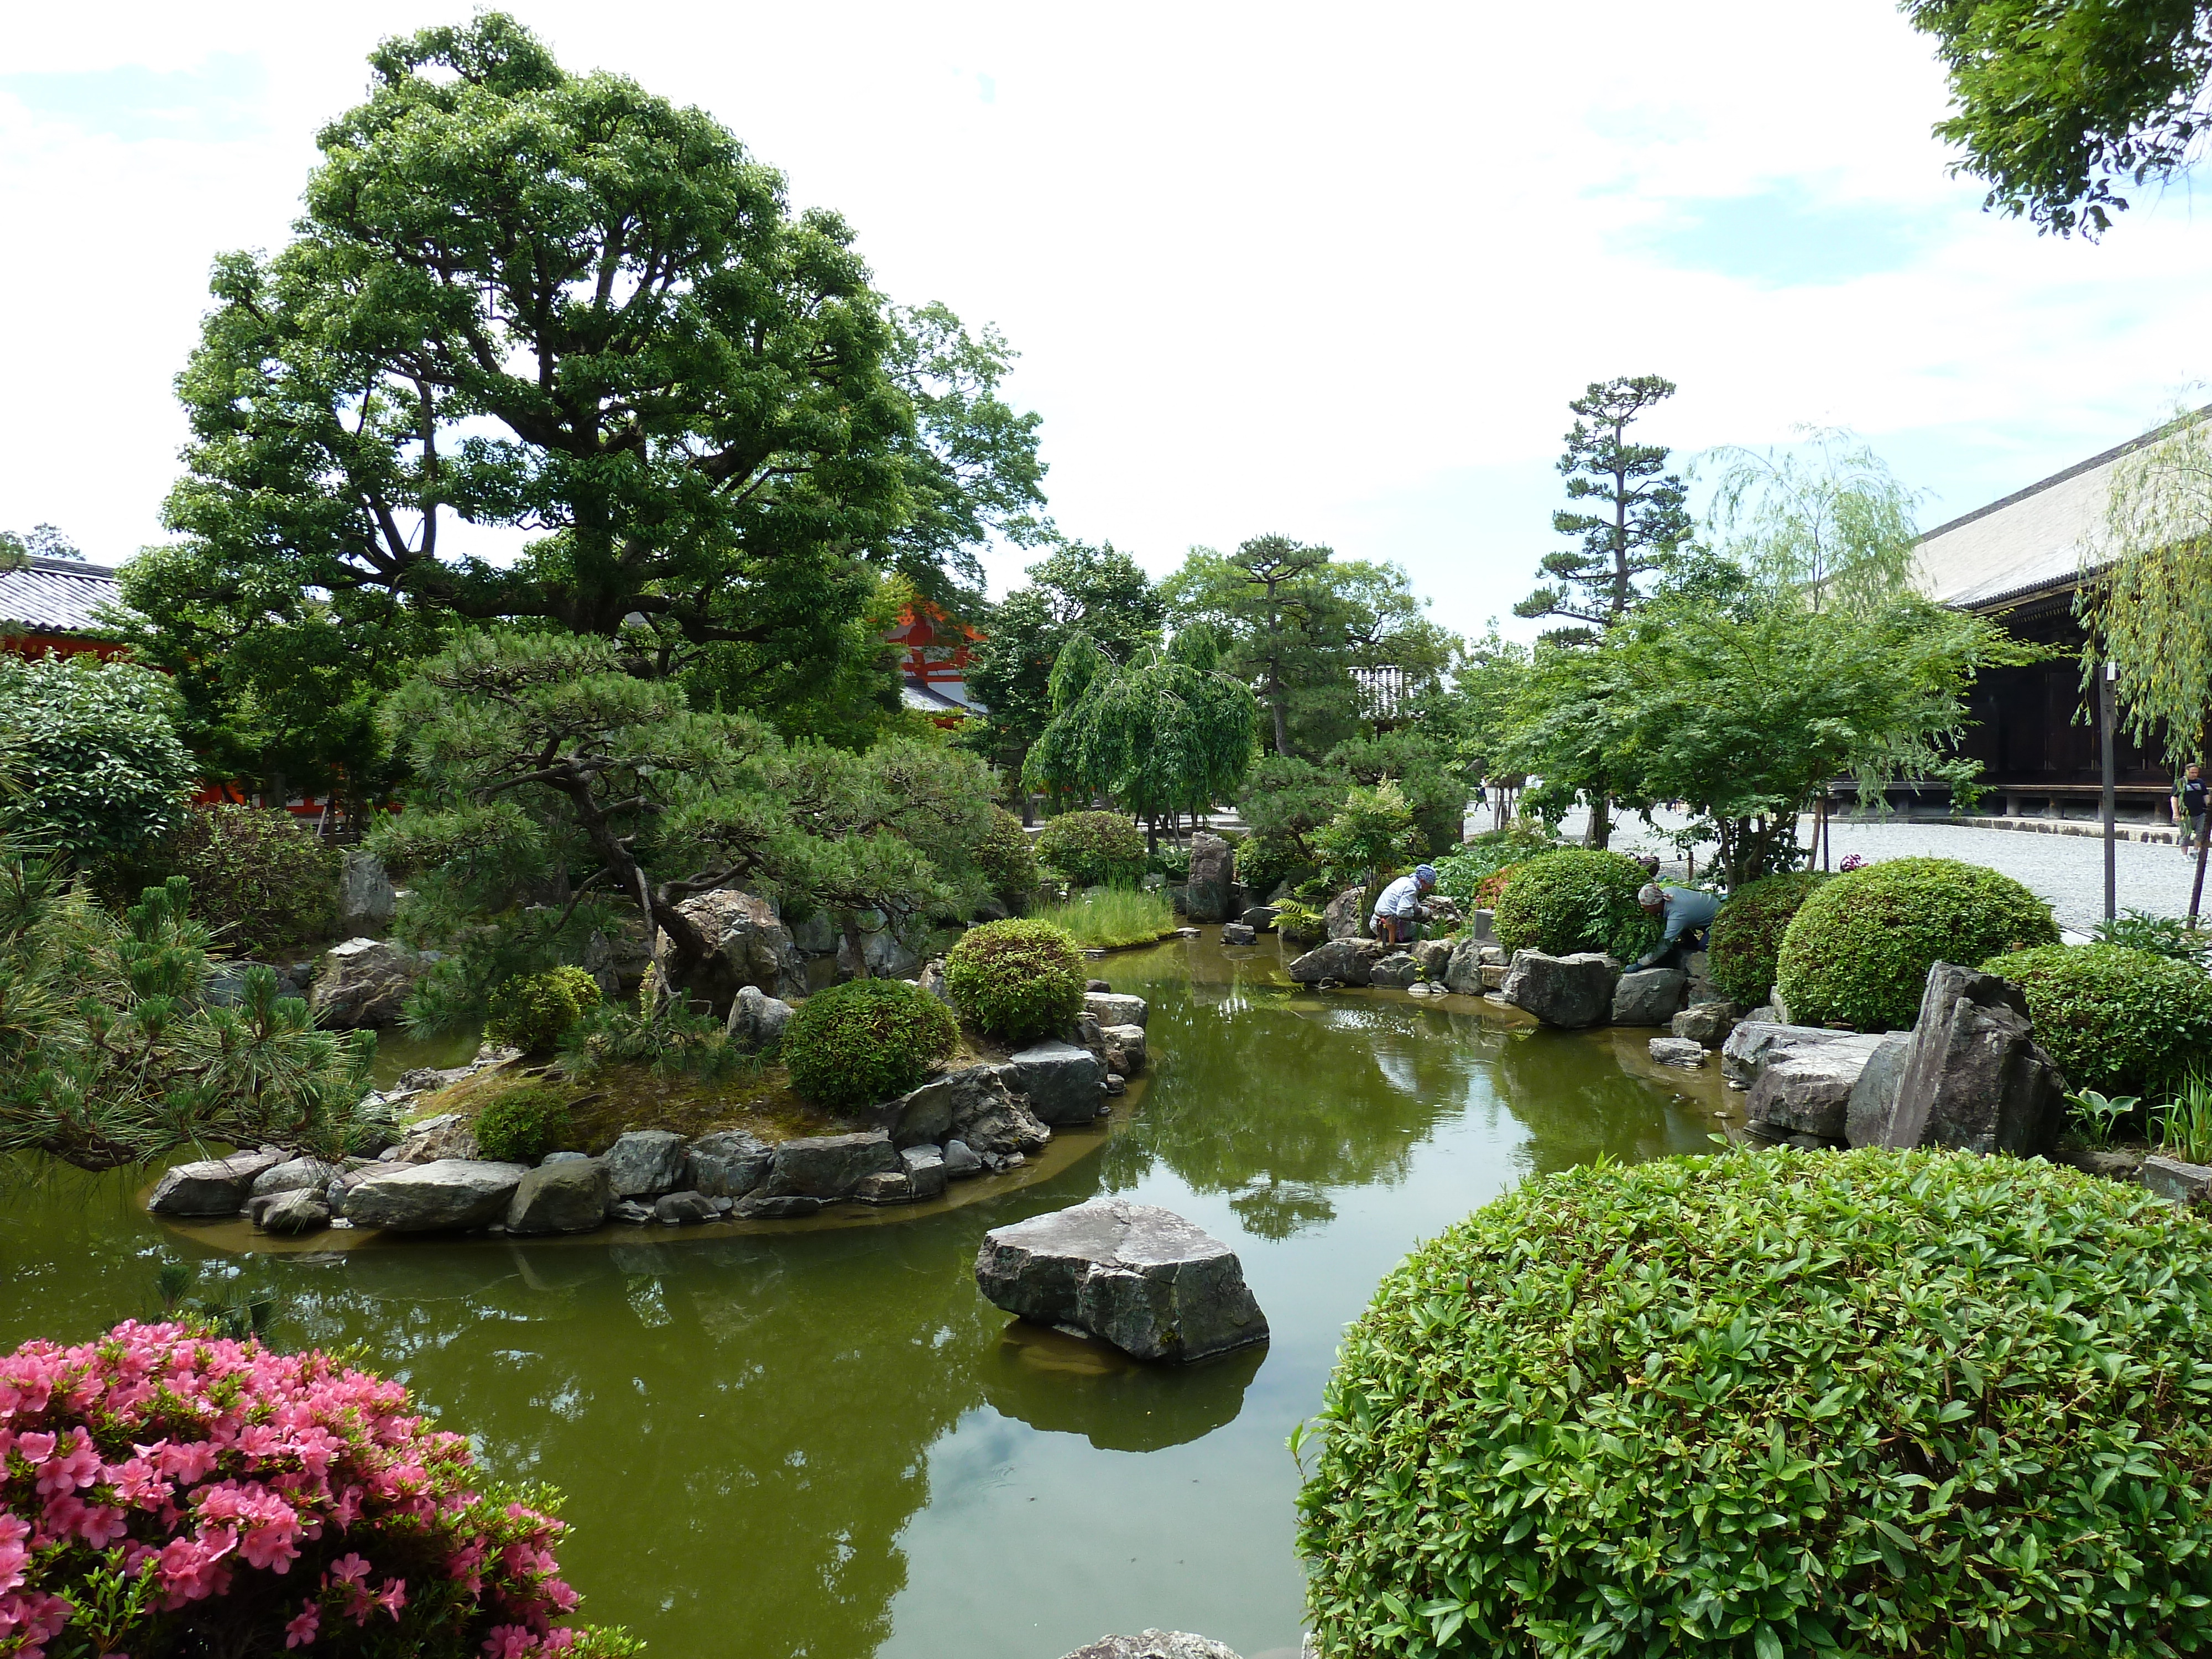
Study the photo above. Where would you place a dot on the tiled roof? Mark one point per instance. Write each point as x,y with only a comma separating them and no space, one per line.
58,596
915,694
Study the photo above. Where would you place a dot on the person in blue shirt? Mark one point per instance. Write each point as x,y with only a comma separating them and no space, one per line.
1397,915
1689,912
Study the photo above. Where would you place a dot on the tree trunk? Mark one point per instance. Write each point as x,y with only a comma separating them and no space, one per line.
1282,720
1599,836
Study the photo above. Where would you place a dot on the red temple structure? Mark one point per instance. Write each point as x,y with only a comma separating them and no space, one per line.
933,664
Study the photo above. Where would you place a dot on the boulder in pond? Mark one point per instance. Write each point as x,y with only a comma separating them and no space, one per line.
1571,991
925,1171
1064,1083
886,1187
1649,996
294,1174
449,1134
788,1207
1874,1097
571,1196
1463,968
297,1210
1109,1009
1754,1041
1807,1090
213,1186
730,1163
1346,961
1153,1645
1207,894
979,1104
417,1198
1135,1275
1678,1051
756,1019
684,1209
1125,1048
1236,932
646,1162
1433,956
1974,1077
747,944
1708,1022
1346,915
961,1161
829,1167
362,983
1260,918
1396,972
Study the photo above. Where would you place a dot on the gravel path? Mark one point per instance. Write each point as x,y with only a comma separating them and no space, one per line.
2066,870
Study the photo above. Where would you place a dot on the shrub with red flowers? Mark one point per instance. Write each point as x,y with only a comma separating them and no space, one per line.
165,1492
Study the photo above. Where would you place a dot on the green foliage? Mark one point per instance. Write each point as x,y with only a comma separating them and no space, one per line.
1747,934
2113,1018
866,1040
1464,869
1300,923
2185,1123
1777,1402
1264,860
1575,898
530,1011
2162,936
92,752
1023,980
1641,520
1858,950
1828,525
272,880
1372,835
2097,1118
112,1050
1093,849
1006,858
522,1126
2054,104
1107,919
670,1040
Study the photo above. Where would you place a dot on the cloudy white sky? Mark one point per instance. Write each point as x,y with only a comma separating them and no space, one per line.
1329,272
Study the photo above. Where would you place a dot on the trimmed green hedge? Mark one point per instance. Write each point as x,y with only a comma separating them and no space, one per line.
2116,1020
865,1041
522,1126
1016,980
268,879
1575,899
1858,950
1093,849
1747,934
1776,1403
530,1012
1005,858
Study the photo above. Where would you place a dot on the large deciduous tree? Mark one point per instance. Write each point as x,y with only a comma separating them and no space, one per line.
547,348
1827,521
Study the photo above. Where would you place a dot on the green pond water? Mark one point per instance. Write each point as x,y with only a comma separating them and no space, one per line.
827,1444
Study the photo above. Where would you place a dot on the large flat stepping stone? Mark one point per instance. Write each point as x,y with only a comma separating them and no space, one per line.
1136,1275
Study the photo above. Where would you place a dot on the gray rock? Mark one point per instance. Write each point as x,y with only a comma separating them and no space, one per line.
564,1158
362,983
729,1163
979,1104
1419,989
1874,1097
886,1187
1807,1090
646,1162
1104,988
572,1196
1432,956
1678,1051
1571,991
2182,1183
1396,972
1708,1022
617,965
1463,968
448,1135
747,944
413,1198
1483,924
756,1019
1345,916
1153,1645
817,935
932,979
1236,932
1348,961
225,985
631,1213
760,1207
295,1175
883,954
1063,1083
1125,1049
829,1167
925,1171
1652,996
961,1161
1748,1046
298,1210
214,1186
684,1209
1135,1275
1206,895
1260,918
1974,1077
1110,1010
367,902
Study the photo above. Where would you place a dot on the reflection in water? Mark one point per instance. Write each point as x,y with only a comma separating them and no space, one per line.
827,1444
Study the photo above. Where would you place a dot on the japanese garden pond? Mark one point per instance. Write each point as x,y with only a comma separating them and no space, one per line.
826,1443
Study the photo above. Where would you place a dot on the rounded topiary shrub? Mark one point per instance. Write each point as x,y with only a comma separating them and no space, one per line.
1093,849
1016,980
2116,1020
866,1040
1747,934
1575,899
1777,1402
266,878
530,1011
1858,950
522,1126
1004,857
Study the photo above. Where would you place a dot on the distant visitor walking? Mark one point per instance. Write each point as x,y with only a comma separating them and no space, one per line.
2188,804
1397,918
1689,911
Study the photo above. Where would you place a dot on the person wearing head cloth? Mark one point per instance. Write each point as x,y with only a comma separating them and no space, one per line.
1689,911
1397,916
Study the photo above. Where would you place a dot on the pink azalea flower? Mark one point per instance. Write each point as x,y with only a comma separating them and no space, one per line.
393,1596
302,1630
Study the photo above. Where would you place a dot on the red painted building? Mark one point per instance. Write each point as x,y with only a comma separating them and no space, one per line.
933,664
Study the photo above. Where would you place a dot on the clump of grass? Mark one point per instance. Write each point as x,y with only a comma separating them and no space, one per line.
2185,1123
1112,917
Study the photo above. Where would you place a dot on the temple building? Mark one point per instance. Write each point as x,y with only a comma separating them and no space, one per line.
54,607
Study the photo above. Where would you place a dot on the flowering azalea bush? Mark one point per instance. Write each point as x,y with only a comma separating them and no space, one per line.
165,1492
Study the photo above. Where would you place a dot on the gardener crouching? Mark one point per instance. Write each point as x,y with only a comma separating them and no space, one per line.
1689,912
1397,917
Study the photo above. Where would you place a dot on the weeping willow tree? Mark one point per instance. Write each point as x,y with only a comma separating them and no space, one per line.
1828,522
2148,610
1165,731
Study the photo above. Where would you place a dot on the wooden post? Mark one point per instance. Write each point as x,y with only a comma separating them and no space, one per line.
2111,833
